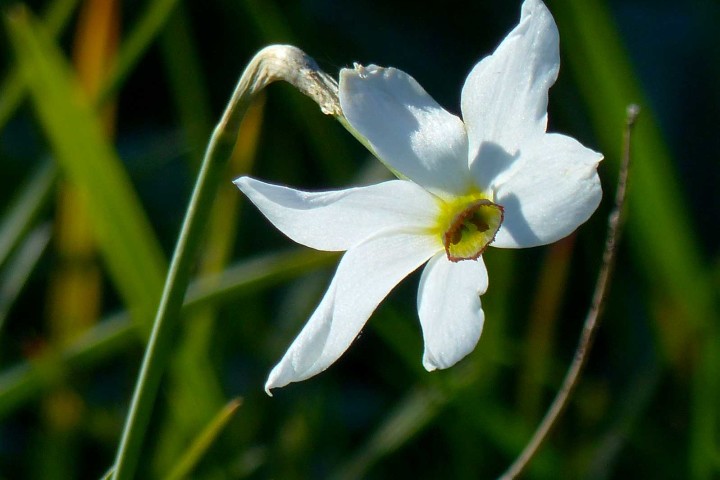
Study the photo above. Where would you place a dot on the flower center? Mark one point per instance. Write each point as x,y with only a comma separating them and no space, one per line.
472,229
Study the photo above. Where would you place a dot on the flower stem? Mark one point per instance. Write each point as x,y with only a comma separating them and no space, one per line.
592,320
277,62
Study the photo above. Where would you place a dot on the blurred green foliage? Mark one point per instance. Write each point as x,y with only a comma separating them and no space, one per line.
648,403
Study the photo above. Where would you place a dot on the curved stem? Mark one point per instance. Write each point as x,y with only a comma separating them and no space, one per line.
277,62
592,320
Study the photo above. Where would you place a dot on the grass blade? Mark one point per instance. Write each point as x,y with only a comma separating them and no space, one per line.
126,239
13,87
146,29
608,83
19,268
25,209
30,379
666,244
201,444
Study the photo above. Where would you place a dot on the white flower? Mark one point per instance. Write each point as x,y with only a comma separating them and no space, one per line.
497,179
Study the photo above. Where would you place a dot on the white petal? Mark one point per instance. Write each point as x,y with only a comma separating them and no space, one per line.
555,190
405,127
338,220
504,99
449,307
364,277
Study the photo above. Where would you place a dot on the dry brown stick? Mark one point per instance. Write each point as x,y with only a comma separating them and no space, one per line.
592,320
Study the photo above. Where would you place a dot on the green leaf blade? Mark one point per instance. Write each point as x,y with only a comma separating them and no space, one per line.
127,241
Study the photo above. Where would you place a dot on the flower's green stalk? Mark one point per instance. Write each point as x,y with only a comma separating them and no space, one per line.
277,62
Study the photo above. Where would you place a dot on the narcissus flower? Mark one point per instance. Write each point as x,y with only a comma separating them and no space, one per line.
496,179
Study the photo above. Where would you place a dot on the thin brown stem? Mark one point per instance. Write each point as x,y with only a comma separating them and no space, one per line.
592,320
